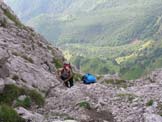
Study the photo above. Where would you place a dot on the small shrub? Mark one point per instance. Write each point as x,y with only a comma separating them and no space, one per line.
77,77
12,92
26,103
99,77
49,47
150,103
85,105
12,17
69,118
117,82
37,98
58,63
8,114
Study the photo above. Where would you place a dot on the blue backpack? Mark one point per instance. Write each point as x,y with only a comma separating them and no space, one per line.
88,78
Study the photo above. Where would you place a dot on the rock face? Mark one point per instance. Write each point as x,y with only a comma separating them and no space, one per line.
30,116
140,101
25,56
28,60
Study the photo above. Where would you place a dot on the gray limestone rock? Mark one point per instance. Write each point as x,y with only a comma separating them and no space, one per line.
2,84
29,115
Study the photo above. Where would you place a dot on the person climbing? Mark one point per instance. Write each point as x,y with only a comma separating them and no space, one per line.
66,74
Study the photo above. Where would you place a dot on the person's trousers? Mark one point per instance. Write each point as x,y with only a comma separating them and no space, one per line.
68,83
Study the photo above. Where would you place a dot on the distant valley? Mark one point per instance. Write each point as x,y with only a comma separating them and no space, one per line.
100,36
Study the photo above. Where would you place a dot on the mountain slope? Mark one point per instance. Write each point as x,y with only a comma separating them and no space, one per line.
119,24
80,21
102,36
30,88
23,52
39,7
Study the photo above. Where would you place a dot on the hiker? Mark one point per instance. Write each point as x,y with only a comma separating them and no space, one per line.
66,74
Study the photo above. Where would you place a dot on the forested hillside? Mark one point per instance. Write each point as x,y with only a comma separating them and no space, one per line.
101,36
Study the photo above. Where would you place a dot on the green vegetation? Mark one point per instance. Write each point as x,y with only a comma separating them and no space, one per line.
77,77
12,18
49,47
101,36
150,103
58,63
36,97
12,92
117,82
9,97
121,23
26,103
8,114
84,104
128,97
129,61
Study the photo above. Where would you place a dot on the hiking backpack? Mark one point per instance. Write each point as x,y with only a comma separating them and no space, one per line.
88,78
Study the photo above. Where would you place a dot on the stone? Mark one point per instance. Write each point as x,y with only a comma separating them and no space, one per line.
29,116
22,97
2,84
152,118
70,121
9,81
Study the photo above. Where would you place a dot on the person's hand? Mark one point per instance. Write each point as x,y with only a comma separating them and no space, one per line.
57,76
65,81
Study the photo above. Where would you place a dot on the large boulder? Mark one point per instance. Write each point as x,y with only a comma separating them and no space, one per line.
31,75
29,116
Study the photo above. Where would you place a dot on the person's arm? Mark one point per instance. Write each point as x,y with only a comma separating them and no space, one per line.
59,71
71,75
